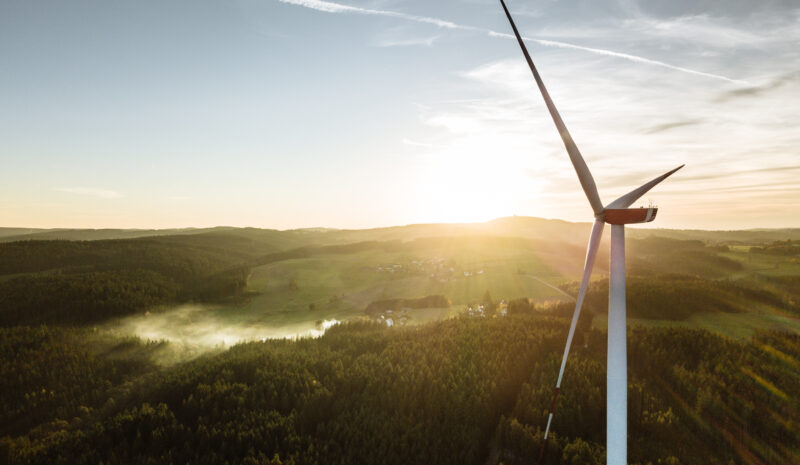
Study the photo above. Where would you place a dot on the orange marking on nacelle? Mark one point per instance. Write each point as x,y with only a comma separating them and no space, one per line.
629,215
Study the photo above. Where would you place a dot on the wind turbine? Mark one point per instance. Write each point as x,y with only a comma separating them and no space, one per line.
618,215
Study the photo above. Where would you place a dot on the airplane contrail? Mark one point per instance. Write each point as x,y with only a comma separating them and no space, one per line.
332,7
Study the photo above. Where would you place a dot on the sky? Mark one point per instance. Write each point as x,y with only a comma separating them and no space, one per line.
364,113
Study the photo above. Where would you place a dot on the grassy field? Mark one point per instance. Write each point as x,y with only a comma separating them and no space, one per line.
338,286
753,315
341,286
740,326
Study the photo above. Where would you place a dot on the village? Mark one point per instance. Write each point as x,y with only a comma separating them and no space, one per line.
436,268
403,316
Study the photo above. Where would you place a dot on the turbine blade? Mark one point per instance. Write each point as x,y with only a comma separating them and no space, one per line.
584,175
627,200
591,254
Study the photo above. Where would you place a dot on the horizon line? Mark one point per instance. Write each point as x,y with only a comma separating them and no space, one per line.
35,230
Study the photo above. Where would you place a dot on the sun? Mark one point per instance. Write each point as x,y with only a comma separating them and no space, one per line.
465,184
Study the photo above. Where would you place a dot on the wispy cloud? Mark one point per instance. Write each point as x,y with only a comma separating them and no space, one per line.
90,191
699,29
426,145
670,125
422,41
788,170
756,91
331,7
625,56
702,31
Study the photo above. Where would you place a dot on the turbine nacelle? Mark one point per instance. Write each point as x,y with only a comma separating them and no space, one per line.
628,215
617,212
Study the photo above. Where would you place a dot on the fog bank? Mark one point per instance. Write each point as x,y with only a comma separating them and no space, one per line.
203,327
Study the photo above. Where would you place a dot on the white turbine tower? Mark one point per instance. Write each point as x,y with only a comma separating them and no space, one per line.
618,215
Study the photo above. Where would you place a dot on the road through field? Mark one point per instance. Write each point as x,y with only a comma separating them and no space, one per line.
560,291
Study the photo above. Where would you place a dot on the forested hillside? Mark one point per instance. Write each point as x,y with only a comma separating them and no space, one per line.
461,391
676,297
85,282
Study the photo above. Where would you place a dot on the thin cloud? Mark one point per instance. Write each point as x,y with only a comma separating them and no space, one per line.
426,145
756,91
625,56
749,172
90,191
331,7
667,126
424,41
762,187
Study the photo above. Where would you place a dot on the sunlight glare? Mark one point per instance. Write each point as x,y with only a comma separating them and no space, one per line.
475,178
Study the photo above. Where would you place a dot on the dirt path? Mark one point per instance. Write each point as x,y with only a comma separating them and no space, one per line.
552,287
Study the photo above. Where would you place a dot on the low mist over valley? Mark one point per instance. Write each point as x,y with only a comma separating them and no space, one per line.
197,328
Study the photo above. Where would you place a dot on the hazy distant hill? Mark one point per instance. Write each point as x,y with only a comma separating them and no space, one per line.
27,234
11,232
256,241
270,240
516,226
742,237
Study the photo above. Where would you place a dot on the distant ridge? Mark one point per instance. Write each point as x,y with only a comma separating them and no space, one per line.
26,234
6,232
732,237
512,226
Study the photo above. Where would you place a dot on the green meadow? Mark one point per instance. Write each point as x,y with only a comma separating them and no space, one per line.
337,286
